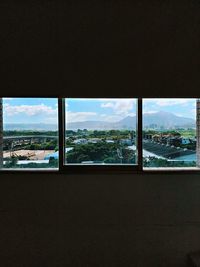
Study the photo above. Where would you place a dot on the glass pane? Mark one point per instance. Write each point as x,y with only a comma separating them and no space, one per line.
29,133
101,131
169,133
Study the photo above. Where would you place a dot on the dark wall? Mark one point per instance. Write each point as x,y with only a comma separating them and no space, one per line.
87,220
99,48
102,48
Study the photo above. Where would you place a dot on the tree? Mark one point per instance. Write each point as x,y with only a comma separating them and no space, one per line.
111,160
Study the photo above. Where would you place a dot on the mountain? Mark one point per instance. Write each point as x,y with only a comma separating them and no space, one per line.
128,122
152,120
167,120
90,125
30,126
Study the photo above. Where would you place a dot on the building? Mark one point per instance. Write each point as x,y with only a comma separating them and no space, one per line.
94,140
148,136
80,141
127,142
110,141
185,141
174,141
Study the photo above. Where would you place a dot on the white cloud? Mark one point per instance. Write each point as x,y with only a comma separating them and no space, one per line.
191,114
30,110
7,98
111,118
120,106
149,111
162,102
107,105
79,116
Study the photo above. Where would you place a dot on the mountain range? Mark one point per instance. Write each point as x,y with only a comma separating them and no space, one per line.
155,120
30,127
159,119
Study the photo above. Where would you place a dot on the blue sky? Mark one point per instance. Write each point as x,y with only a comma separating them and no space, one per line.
99,109
30,110
44,110
184,107
117,109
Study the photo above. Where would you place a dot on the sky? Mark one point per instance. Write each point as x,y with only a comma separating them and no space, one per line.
30,110
184,107
45,110
116,109
110,110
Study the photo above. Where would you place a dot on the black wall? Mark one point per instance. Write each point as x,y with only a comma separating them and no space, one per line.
99,49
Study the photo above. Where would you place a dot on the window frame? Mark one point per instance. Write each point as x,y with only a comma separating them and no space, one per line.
64,168
36,170
99,169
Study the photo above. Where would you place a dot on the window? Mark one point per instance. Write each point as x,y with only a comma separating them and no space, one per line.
169,133
100,134
29,133
101,131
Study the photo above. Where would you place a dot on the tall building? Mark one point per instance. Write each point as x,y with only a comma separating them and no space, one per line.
1,132
198,131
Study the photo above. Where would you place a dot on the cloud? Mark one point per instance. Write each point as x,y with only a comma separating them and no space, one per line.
162,102
107,105
121,106
94,99
79,116
149,111
29,110
110,118
7,98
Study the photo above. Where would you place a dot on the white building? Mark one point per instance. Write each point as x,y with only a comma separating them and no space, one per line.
94,140
80,141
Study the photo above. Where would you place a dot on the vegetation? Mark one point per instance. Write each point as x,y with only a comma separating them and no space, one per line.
102,146
29,133
114,134
51,145
101,153
187,133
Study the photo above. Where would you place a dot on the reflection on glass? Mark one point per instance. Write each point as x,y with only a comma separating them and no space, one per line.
169,133
101,131
28,133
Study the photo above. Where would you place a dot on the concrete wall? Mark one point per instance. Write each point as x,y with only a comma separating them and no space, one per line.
91,48
103,220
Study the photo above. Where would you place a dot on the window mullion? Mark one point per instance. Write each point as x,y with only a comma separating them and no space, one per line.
61,117
139,135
